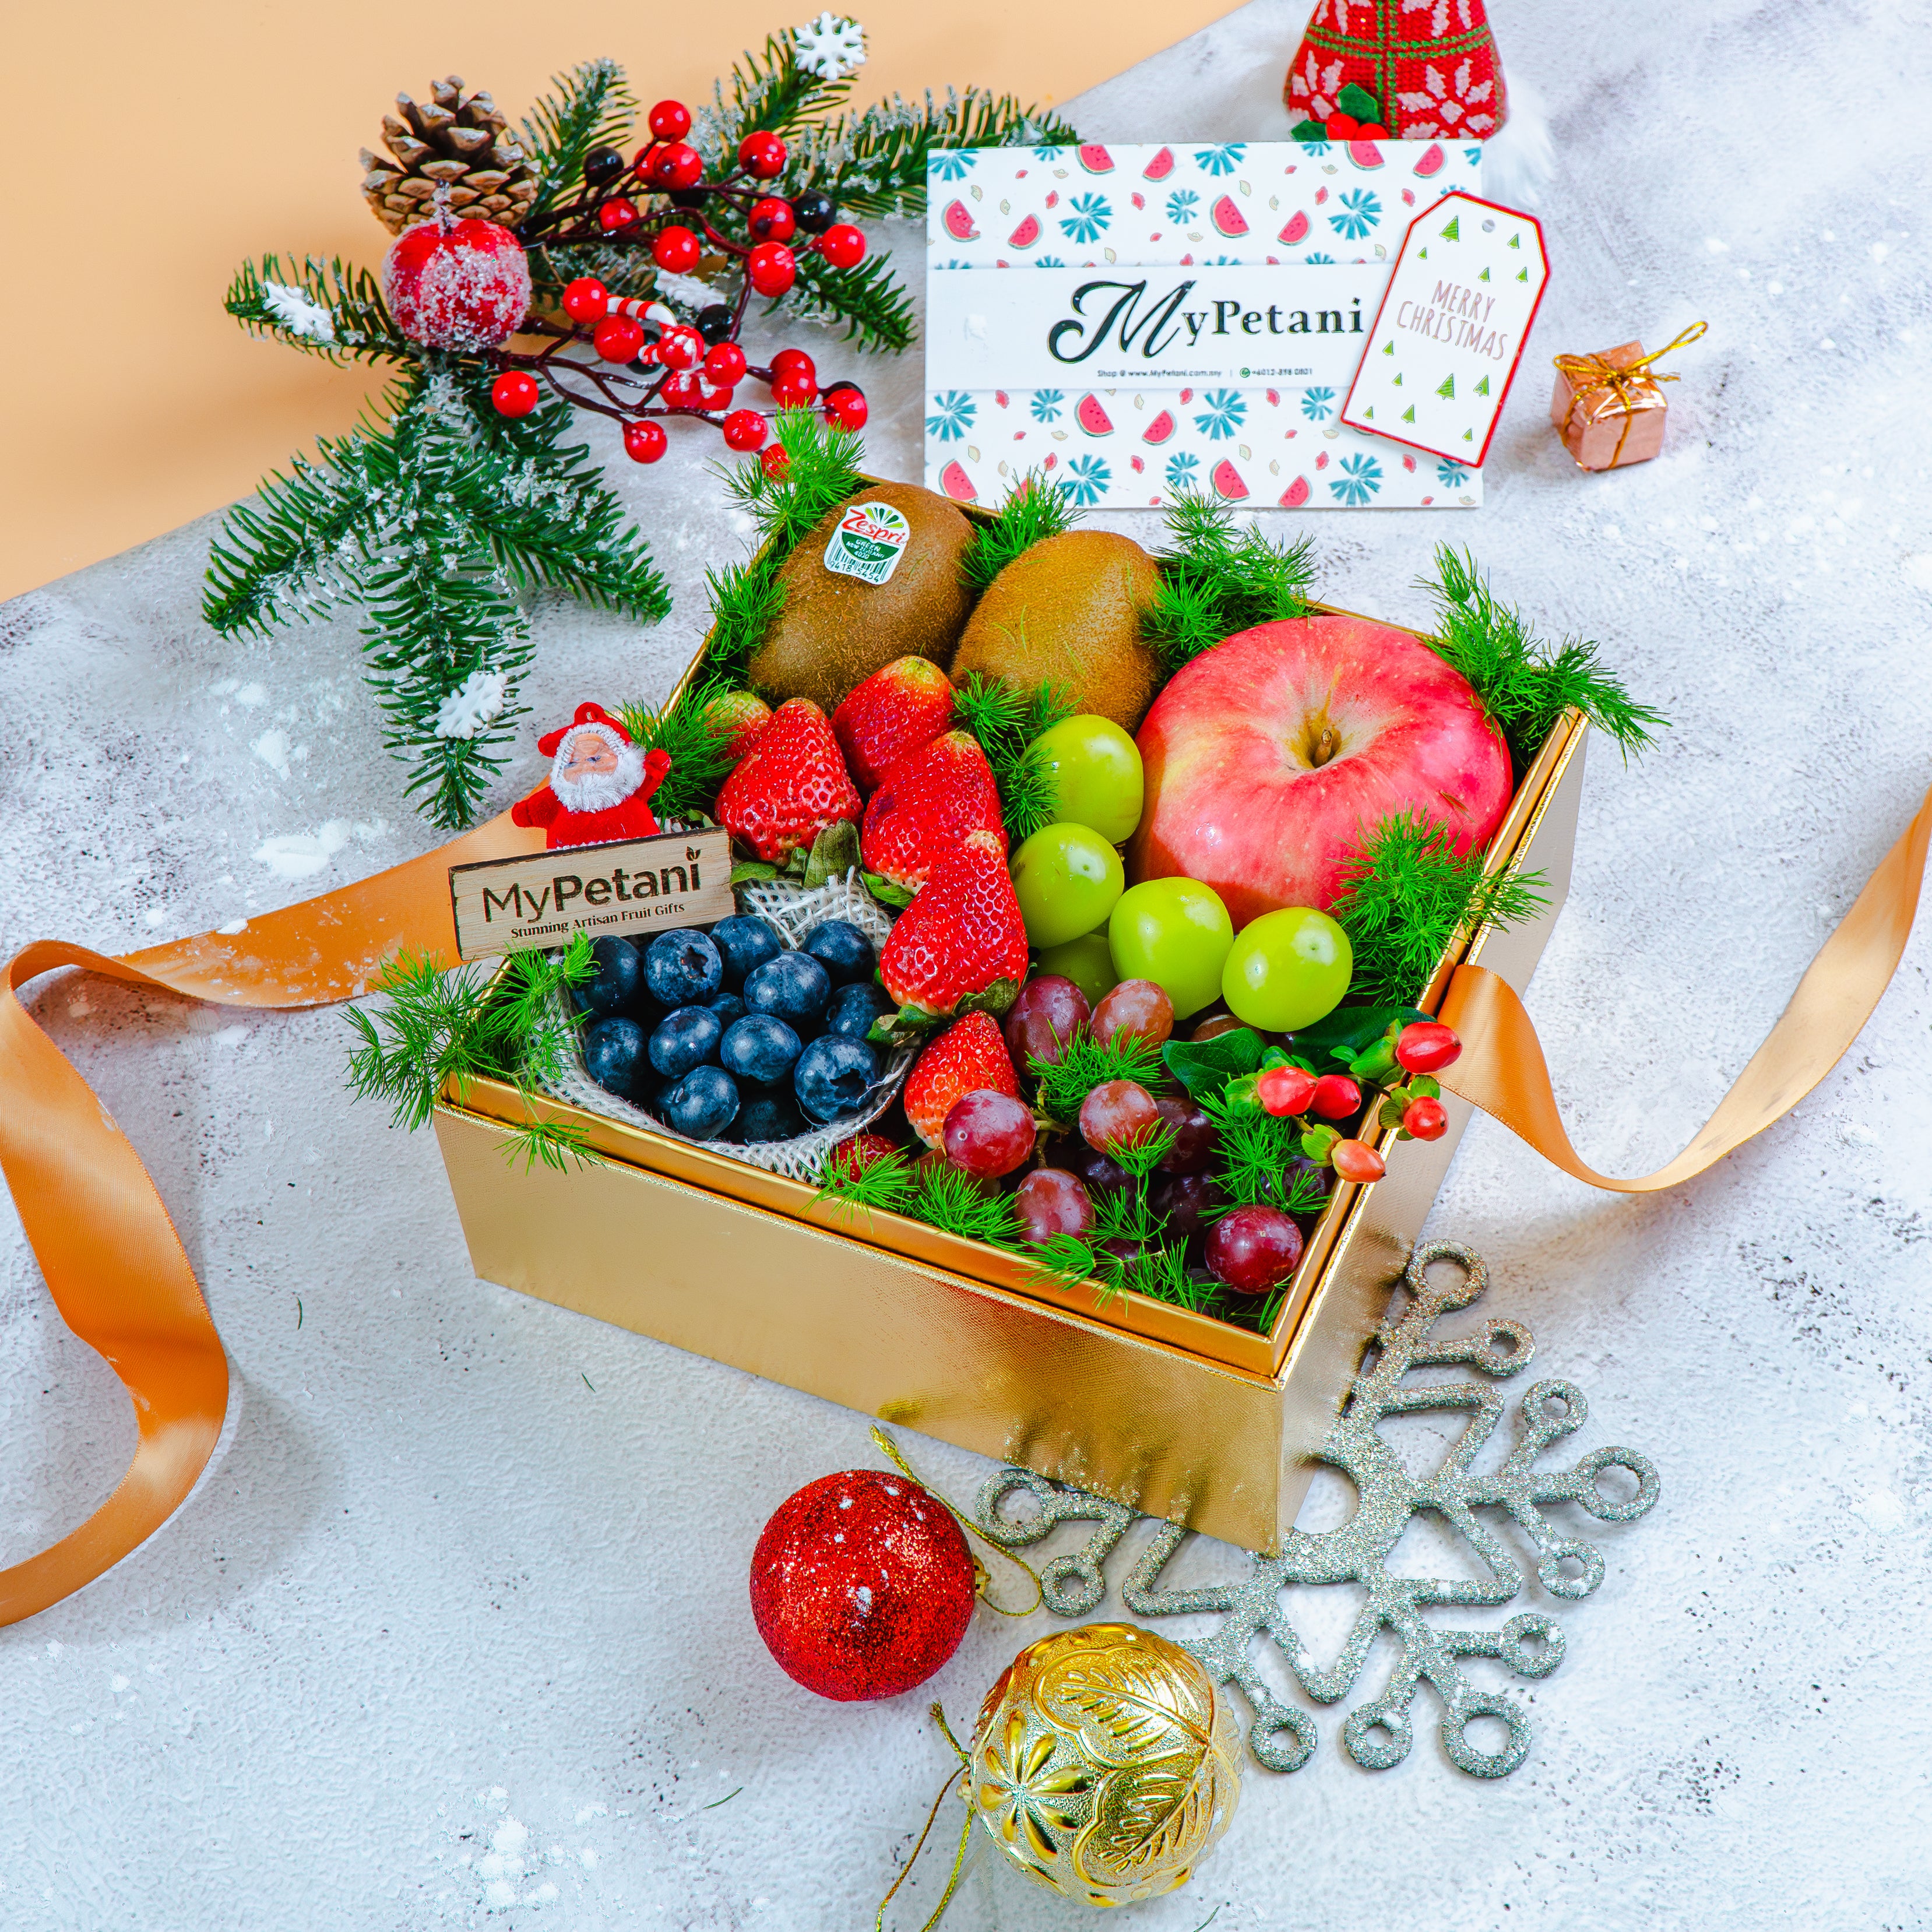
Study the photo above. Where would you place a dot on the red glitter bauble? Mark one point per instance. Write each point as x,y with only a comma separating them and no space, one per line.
862,1585
464,286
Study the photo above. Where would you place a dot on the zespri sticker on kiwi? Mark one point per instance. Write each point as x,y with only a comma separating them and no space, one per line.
868,541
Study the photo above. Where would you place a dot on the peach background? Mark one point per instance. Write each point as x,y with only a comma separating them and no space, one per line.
155,147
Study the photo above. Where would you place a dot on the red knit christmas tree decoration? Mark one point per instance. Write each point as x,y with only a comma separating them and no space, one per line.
1431,65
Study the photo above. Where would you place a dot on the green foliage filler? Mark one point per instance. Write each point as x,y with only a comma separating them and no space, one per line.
1215,581
700,758
438,1028
1408,897
1035,511
1086,1063
1525,684
1007,724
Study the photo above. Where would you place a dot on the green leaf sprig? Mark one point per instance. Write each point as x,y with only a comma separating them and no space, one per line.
1216,580
1007,723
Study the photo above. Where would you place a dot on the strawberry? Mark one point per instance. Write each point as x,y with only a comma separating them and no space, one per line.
925,805
965,1058
961,939
857,1152
737,717
790,786
896,710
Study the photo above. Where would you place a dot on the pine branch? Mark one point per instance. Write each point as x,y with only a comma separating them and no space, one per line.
589,106
874,163
627,271
1523,683
1035,511
765,91
1408,895
877,313
1087,1063
700,757
1006,724
1215,581
330,309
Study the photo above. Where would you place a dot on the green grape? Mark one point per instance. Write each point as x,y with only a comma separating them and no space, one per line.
1096,774
1087,962
1287,969
1066,878
1175,932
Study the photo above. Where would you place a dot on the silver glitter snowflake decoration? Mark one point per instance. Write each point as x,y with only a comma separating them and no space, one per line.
831,47
1377,1734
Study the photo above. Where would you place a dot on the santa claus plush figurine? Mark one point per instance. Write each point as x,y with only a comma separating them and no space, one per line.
600,784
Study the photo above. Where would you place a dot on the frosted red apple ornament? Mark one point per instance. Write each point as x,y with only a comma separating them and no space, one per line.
454,284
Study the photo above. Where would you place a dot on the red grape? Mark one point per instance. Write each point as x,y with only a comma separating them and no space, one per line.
1045,1019
1195,1136
1118,1114
1356,1160
1427,1046
1336,1097
988,1133
1425,1118
1254,1249
1100,1174
1137,1008
1186,1200
1214,1028
1052,1202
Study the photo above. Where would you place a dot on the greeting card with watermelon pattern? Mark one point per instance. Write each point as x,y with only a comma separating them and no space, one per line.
1138,321
1451,328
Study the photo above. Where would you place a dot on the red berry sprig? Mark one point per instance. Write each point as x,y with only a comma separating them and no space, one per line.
645,364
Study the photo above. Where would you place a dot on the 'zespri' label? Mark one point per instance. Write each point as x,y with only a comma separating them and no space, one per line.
870,538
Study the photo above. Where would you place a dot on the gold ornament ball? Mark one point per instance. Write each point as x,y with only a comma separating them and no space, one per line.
1104,1765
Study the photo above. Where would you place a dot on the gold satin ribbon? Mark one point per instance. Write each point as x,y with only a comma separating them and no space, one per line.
1503,1071
1586,374
119,1276
113,1261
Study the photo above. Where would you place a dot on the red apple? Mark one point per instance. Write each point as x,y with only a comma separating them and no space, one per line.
456,284
1269,758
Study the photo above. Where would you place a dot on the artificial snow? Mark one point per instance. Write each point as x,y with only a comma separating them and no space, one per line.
464,1556
298,313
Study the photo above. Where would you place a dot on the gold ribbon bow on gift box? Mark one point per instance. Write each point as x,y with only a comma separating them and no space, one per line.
1600,388
118,1273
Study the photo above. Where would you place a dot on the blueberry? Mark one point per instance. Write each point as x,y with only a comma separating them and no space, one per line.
834,1076
793,986
614,1054
685,1039
769,1116
617,976
703,1104
843,950
683,968
746,944
727,1006
854,1008
759,1048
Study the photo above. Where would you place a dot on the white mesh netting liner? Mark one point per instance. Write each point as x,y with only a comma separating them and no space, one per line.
794,911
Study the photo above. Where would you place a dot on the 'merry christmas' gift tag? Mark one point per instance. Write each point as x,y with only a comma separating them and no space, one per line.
1445,345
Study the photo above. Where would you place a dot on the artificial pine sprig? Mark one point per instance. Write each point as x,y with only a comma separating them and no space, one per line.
1035,511
701,756
953,1201
1006,723
885,1185
589,106
1216,580
331,309
1409,894
868,299
1258,1160
1086,1063
434,519
1525,683
440,1028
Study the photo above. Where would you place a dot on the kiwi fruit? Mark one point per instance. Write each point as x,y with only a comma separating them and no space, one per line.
835,631
1067,613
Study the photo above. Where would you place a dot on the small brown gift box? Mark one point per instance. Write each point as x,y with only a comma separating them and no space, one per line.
1605,417
1608,408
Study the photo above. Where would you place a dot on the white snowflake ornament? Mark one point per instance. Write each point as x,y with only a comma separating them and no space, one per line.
831,47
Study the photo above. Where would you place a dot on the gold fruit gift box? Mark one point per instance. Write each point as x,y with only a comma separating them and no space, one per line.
1174,1413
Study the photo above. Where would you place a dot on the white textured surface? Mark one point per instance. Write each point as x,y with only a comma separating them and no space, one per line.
466,1582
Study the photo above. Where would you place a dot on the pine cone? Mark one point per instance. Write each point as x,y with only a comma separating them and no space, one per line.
465,145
